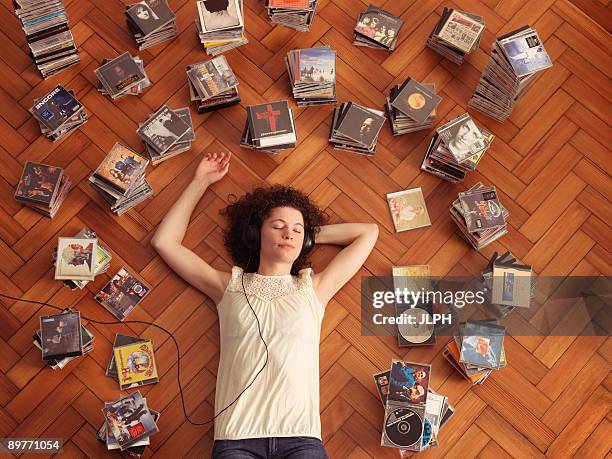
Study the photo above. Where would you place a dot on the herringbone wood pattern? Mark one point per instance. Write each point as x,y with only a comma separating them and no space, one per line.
549,161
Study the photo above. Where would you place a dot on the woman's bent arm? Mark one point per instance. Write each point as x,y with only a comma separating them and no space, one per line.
169,235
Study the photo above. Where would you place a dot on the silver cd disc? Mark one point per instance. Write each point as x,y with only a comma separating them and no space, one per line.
417,326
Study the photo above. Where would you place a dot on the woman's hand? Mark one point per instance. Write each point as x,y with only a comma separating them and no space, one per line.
212,168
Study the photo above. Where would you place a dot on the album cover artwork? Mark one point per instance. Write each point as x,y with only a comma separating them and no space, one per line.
416,100
461,31
482,345
129,420
408,209
120,73
76,258
55,108
463,138
409,382
120,340
270,119
135,364
360,124
219,15
121,167
315,65
526,53
163,129
39,183
481,209
511,285
379,26
212,77
150,15
60,335
122,294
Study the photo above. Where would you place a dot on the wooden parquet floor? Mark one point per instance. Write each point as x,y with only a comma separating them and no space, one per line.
549,160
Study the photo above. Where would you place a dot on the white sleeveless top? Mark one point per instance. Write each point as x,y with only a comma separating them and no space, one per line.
284,399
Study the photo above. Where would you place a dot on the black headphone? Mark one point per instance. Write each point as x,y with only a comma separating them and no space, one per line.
251,235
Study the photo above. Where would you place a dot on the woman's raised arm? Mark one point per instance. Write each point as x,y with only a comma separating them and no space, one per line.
169,235
359,239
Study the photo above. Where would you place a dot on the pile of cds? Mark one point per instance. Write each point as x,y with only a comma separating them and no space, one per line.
480,216
417,325
43,188
128,424
167,133
297,14
376,28
122,76
269,127
120,179
412,106
120,296
58,113
477,349
78,264
62,338
151,22
127,378
355,128
312,74
404,377
45,23
456,34
456,148
220,25
516,60
212,85
508,284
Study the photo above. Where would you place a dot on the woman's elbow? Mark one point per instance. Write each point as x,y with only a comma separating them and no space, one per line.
373,230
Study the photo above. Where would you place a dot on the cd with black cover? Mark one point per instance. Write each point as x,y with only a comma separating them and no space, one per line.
417,326
403,427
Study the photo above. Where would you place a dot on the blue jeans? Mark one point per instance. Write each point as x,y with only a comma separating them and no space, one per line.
270,448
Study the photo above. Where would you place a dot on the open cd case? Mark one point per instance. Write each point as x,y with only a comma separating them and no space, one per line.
404,420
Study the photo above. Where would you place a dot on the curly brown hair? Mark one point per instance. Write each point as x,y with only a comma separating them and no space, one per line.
253,208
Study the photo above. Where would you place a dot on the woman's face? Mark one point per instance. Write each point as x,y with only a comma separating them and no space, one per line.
282,235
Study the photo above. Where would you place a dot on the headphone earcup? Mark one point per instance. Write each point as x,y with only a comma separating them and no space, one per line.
308,244
251,236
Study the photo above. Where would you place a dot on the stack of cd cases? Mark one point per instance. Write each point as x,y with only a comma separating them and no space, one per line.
43,188
412,106
477,350
312,74
269,127
408,392
517,58
480,216
437,408
120,179
45,23
296,14
151,22
220,25
122,76
167,133
456,34
355,128
212,85
456,148
58,113
62,338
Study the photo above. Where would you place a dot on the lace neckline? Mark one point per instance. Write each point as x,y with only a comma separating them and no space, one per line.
269,288
270,276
